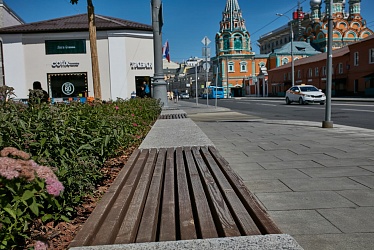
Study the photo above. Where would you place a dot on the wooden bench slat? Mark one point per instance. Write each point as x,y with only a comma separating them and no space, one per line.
205,223
130,223
167,223
186,218
148,225
100,213
119,208
226,226
239,212
258,214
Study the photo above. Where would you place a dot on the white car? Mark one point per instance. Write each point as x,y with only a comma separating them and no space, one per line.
305,94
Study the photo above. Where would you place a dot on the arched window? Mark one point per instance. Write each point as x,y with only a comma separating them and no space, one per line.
243,67
284,61
226,42
238,42
231,67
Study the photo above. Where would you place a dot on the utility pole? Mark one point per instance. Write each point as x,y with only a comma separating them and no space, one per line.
159,84
196,94
292,61
93,48
327,123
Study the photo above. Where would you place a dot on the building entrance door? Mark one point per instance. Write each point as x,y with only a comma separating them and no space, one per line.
139,82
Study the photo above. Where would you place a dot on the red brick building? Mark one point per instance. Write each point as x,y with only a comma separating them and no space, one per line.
353,71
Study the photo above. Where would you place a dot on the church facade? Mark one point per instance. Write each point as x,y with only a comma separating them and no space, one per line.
349,26
234,62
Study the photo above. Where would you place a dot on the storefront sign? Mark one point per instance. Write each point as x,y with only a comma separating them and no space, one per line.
141,65
68,88
64,64
65,47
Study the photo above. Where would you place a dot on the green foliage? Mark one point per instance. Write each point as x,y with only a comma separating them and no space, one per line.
21,202
74,138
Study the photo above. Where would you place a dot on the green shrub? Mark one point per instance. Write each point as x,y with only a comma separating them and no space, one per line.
76,139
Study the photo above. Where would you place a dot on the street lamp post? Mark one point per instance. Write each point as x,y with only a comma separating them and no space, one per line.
292,61
159,84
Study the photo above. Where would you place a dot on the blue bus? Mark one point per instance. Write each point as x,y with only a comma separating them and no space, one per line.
214,92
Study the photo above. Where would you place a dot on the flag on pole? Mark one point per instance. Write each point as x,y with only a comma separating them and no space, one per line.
165,51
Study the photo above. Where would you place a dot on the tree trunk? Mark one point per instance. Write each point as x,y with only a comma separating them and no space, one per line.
93,46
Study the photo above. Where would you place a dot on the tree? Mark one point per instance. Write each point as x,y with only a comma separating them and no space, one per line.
93,46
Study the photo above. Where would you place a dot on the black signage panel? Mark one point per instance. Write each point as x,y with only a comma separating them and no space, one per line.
65,47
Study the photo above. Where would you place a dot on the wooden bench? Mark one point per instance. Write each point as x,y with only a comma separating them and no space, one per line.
174,194
173,116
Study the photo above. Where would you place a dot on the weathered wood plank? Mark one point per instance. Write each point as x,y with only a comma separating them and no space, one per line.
110,226
149,221
186,219
100,213
130,223
221,213
258,214
167,223
204,221
242,217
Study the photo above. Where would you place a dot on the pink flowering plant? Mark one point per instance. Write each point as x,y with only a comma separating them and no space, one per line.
27,191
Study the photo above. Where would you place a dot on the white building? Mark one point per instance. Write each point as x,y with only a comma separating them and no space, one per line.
57,53
7,18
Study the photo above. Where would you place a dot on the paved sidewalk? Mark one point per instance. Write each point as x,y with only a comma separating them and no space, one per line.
316,183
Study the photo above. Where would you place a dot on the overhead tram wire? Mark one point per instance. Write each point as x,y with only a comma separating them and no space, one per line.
301,2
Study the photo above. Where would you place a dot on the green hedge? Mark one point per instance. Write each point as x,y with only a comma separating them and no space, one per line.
75,140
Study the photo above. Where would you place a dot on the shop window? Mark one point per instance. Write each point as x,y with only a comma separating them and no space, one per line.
68,85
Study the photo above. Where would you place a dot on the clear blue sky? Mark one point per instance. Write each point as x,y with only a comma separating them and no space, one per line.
186,23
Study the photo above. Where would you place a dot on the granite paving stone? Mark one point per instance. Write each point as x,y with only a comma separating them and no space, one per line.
271,174
303,200
360,197
266,186
335,172
336,241
364,180
290,164
350,162
297,222
327,184
351,220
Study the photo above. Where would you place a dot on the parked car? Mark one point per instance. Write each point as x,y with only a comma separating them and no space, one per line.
305,94
184,96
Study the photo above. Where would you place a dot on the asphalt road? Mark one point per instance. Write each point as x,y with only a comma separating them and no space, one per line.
350,113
